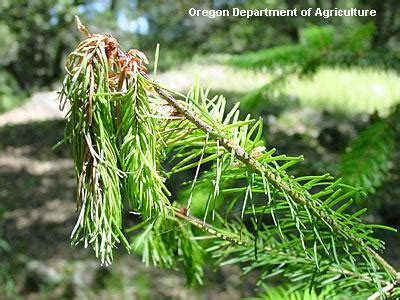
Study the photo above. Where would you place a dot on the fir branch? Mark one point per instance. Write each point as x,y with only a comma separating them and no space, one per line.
274,179
122,125
283,259
366,163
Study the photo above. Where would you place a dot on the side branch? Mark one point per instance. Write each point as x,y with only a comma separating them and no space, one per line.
274,179
208,228
387,289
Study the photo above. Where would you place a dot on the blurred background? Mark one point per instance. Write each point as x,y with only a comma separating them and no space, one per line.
326,88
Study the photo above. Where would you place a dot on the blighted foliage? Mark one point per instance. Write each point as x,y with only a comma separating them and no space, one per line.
114,141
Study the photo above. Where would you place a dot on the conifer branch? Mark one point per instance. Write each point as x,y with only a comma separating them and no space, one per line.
275,180
123,126
183,214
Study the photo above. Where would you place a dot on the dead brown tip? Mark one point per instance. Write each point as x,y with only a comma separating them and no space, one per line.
82,28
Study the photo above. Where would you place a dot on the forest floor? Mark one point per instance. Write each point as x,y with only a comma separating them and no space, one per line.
38,186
